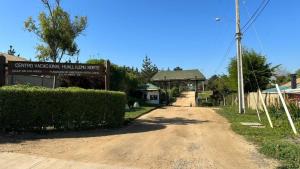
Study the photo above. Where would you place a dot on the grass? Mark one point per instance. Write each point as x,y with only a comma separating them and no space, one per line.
137,112
279,143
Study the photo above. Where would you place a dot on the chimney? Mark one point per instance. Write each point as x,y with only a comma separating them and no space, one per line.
293,81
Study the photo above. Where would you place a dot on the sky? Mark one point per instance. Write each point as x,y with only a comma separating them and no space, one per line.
171,32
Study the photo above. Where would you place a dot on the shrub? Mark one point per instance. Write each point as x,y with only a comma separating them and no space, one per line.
31,108
206,104
175,92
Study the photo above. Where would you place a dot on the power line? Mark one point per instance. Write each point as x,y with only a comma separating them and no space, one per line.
255,30
255,13
226,54
255,16
245,28
257,37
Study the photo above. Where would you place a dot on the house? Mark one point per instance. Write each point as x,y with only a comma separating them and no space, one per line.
290,91
35,80
150,93
183,79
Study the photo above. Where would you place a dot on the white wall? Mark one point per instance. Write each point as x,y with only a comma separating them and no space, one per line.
149,93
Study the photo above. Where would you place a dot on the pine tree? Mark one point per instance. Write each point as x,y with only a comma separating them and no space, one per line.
11,50
148,70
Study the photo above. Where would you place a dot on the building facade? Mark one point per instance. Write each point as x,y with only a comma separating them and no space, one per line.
183,79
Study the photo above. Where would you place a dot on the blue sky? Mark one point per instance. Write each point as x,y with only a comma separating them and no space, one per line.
171,32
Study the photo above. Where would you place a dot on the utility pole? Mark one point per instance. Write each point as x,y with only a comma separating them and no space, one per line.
239,60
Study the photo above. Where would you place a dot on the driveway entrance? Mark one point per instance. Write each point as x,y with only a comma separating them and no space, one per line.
176,137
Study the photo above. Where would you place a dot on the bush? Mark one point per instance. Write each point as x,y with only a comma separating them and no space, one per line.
175,92
279,112
206,104
31,108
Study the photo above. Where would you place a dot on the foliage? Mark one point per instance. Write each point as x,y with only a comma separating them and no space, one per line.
121,79
56,31
255,68
12,51
279,142
177,68
281,75
35,108
282,79
205,98
164,97
298,73
86,82
220,86
278,112
148,70
175,92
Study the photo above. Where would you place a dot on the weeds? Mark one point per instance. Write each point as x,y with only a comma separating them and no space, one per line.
279,143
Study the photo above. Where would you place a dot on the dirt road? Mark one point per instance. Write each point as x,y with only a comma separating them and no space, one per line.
177,137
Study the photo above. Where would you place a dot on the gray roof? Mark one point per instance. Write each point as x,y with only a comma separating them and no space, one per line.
178,75
148,87
12,58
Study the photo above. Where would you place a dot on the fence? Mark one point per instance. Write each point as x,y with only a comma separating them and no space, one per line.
271,99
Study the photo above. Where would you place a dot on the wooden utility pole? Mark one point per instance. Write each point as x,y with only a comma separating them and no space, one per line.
241,94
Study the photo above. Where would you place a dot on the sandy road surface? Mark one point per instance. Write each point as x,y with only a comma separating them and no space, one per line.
177,137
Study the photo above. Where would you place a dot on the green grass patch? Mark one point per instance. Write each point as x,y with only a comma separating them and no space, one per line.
279,143
137,112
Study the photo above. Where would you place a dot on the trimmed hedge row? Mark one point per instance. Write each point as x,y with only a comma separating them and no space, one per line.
31,108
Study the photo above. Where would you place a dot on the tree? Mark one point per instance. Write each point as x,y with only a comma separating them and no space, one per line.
11,50
220,85
281,75
148,70
122,78
57,32
177,68
298,73
256,70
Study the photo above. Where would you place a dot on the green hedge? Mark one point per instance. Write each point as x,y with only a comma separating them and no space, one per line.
31,108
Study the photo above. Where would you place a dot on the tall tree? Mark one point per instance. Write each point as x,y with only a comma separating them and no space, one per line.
148,70
177,68
255,69
56,31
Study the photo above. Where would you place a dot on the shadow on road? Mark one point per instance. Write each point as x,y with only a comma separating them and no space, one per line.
139,126
172,121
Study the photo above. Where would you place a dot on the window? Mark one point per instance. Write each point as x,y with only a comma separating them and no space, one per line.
153,97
